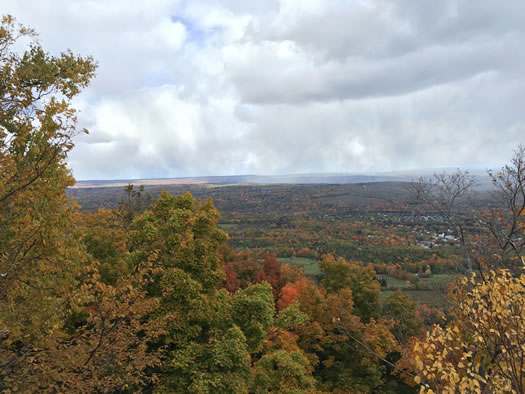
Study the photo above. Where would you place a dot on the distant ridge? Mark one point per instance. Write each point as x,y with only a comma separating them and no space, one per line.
294,179
245,179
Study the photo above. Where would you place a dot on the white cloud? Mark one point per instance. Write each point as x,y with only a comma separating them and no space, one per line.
210,87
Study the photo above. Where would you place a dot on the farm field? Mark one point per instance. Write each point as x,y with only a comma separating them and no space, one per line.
309,266
431,293
393,283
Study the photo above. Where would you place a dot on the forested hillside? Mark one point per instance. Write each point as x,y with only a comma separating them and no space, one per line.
295,289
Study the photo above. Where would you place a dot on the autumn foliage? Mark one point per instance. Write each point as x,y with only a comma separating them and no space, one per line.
149,297
483,348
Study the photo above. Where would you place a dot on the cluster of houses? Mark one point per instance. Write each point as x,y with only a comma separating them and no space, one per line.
438,240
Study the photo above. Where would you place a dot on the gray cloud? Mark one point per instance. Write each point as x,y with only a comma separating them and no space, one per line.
211,87
286,74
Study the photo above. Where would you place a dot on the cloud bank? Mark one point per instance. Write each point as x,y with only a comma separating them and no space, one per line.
209,87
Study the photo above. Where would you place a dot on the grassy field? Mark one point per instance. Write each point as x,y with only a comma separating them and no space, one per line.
391,282
434,295
226,226
309,266
434,282
433,298
438,281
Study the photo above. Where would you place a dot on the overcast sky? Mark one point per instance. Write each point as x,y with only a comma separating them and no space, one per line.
218,87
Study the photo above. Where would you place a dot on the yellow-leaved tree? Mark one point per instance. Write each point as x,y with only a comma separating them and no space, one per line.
483,349
71,312
38,253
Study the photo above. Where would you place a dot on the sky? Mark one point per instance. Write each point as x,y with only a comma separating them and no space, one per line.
225,87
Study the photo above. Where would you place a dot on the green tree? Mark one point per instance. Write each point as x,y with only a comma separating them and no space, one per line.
208,333
182,236
283,372
253,312
340,274
402,310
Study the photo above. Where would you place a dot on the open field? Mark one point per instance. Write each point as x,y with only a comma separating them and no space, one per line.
438,281
309,266
393,283
432,298
433,295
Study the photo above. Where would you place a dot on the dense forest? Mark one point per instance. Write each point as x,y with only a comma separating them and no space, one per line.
385,287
